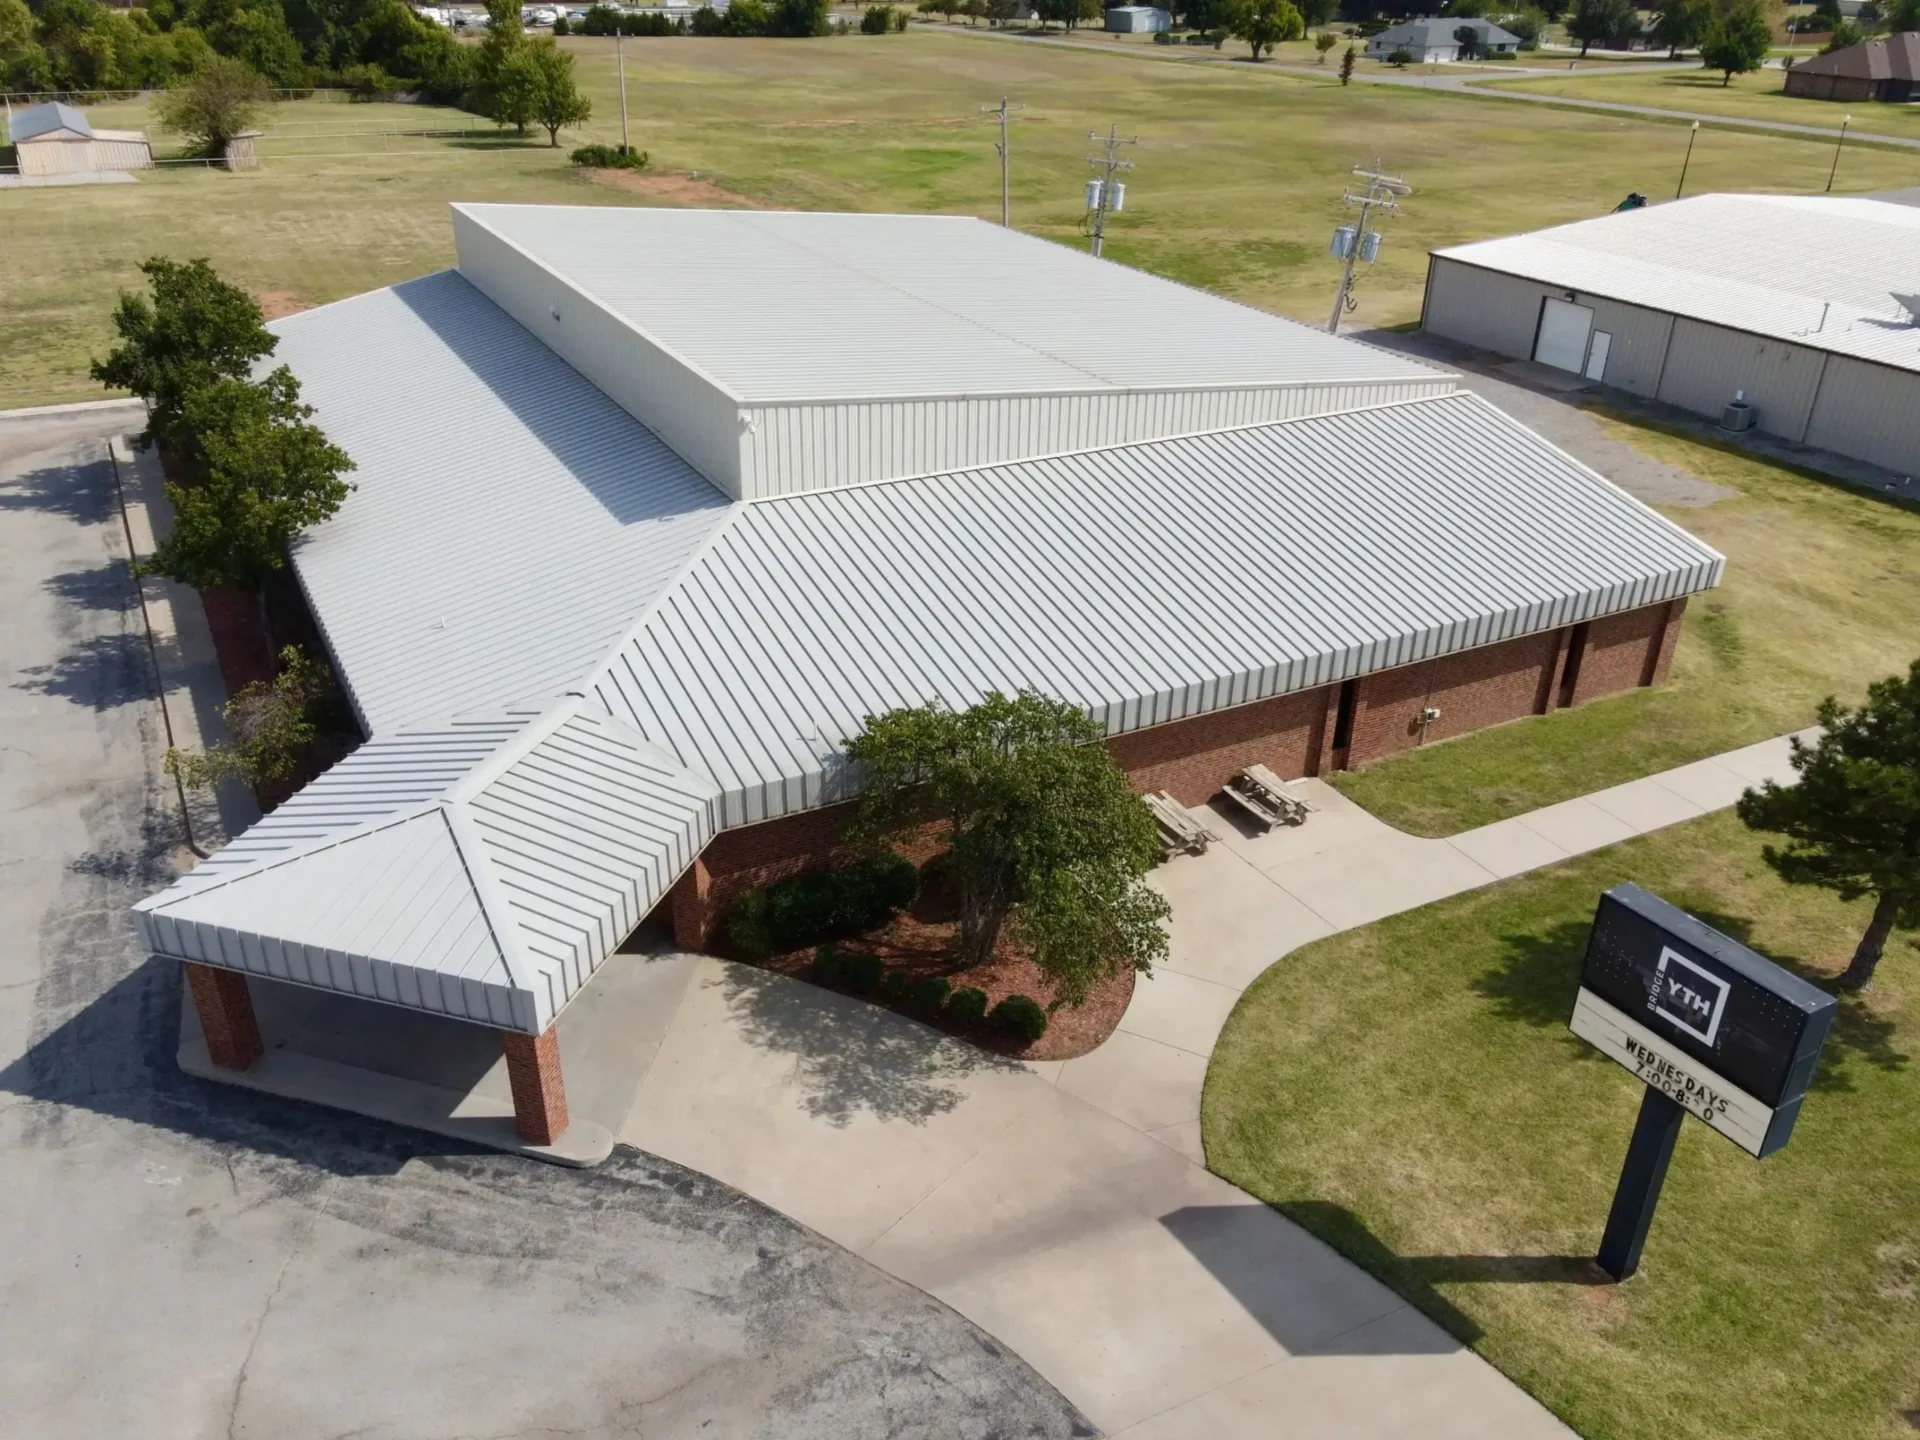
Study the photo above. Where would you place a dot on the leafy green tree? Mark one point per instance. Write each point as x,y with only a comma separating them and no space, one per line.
1899,16
1737,40
1526,24
216,102
272,725
1845,33
798,18
1594,22
1852,823
743,17
194,330
1676,24
23,60
269,475
1206,16
1048,843
557,101
1317,13
1323,42
1265,23
252,31
1469,9
1468,39
1346,65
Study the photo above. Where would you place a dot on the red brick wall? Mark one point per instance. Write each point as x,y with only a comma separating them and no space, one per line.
226,1014
1491,685
1386,713
1193,758
1669,640
539,1094
1619,648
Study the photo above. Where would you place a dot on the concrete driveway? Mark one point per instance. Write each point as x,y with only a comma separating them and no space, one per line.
182,1260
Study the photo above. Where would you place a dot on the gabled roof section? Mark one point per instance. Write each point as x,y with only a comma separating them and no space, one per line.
1884,57
493,899
1146,582
508,520
1816,270
34,121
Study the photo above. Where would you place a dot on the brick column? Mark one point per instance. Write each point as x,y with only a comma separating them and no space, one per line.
226,1016
539,1097
1660,653
693,907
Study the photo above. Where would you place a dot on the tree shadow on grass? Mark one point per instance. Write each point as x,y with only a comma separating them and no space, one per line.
852,1057
1539,975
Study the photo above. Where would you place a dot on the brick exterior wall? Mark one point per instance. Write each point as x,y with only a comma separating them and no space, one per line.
226,1014
539,1095
1191,759
1621,652
1291,734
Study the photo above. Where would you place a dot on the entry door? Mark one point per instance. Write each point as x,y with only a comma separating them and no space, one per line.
1597,357
1563,335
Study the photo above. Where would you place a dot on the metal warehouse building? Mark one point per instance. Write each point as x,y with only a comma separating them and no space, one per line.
656,507
1792,301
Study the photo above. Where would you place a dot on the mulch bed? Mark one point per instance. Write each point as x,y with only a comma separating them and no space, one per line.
915,944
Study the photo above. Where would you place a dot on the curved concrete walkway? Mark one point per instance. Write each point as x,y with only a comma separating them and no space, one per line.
1065,1207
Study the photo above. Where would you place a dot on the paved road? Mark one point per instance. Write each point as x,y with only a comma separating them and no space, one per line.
184,1260
1467,84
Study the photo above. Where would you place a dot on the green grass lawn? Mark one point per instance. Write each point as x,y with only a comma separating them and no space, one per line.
1237,187
1821,596
1409,1092
1759,96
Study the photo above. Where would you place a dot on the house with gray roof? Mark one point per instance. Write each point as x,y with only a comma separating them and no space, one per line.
1437,40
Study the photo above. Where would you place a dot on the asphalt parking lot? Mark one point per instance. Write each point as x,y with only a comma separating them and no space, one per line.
179,1259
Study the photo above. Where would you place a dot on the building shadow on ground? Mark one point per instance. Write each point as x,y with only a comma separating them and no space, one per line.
1281,1273
853,1058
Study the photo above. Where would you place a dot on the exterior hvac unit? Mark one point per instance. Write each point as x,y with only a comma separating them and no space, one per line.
1739,415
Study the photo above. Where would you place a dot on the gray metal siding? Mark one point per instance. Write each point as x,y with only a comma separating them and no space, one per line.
1708,364
815,446
1501,313
698,419
1870,412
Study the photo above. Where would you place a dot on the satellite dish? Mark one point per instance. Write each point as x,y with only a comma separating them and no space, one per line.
1911,304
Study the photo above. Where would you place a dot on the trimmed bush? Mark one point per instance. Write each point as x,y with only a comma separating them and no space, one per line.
831,904
927,994
967,1006
829,967
610,157
747,924
803,910
1021,1017
862,974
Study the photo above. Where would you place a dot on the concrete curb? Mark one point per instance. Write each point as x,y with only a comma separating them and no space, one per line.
79,409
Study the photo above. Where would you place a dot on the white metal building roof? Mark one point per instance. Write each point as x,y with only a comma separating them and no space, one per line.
31,122
577,661
1818,271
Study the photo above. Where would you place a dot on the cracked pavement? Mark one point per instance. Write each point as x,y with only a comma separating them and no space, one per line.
185,1260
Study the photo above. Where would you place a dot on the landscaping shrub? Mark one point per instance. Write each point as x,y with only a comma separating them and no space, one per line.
877,21
967,1006
747,926
830,904
862,974
872,891
829,966
1021,1017
804,909
610,157
927,994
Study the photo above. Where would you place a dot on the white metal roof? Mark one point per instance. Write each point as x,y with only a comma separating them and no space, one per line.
577,662
1146,582
1818,271
54,119
508,519
872,306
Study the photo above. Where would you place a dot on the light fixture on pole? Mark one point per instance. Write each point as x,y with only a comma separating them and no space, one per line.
1848,120
1691,136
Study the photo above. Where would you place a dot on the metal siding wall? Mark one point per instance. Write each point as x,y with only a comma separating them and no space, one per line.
1502,313
51,157
119,155
791,448
698,420
1707,364
1870,412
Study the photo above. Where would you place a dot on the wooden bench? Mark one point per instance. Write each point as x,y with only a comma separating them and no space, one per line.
1180,833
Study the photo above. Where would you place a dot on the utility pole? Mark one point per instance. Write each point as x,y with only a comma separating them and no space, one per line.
619,60
1381,193
1105,195
1003,110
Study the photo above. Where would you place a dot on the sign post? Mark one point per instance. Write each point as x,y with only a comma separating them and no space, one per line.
1711,1028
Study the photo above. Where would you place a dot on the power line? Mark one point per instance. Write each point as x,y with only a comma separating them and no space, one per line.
1356,242
1105,195
1004,109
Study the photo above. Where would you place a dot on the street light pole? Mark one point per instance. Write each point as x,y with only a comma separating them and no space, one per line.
1691,134
1836,152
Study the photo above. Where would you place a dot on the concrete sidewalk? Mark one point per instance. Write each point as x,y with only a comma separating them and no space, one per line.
1065,1207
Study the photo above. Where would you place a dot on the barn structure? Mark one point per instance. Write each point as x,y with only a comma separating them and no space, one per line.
56,139
637,547
1803,308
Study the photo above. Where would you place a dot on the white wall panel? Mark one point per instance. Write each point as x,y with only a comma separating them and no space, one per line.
1871,412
